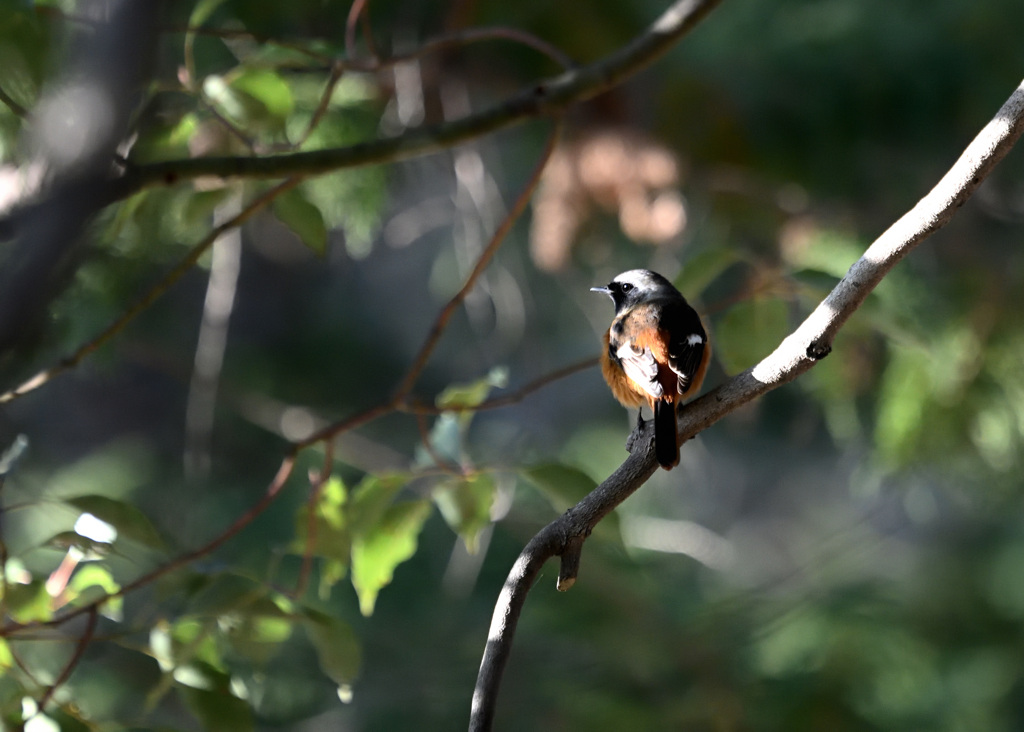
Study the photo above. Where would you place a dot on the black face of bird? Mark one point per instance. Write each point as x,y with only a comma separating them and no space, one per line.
634,286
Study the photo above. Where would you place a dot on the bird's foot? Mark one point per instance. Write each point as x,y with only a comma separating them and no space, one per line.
637,434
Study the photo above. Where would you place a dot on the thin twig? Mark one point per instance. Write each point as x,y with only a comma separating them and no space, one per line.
22,666
446,467
154,293
83,643
398,401
351,63
465,37
334,429
232,129
17,109
472,35
505,399
316,490
441,323
371,47
808,344
337,70
358,8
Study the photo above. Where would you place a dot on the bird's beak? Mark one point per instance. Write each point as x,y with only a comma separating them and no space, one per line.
604,290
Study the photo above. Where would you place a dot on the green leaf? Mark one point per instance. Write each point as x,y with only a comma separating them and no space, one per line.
258,638
445,440
200,206
66,722
466,505
67,539
332,537
750,331
119,467
331,502
371,498
268,88
129,521
331,573
704,269
90,583
336,646
28,602
238,106
187,641
303,217
6,658
467,396
904,395
227,593
161,646
217,710
202,12
377,551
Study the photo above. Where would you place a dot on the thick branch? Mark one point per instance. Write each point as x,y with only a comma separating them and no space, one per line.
547,97
809,343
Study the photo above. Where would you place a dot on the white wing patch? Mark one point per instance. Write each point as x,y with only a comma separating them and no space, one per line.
694,339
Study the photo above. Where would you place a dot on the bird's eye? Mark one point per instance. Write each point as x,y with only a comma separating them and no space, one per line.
626,287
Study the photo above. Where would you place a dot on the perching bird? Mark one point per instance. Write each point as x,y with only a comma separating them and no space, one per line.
656,351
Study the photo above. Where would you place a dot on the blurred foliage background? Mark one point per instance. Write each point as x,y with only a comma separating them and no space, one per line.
845,554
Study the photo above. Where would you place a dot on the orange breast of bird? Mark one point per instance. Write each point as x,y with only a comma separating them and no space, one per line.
638,326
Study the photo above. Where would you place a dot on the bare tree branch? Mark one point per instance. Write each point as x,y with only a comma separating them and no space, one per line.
69,667
809,343
542,99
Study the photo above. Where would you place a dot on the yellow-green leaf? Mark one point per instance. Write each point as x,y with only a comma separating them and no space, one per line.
227,593
390,542
90,583
371,498
337,647
465,503
303,217
28,602
463,396
267,87
129,521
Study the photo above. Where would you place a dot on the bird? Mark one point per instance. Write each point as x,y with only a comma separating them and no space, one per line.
655,352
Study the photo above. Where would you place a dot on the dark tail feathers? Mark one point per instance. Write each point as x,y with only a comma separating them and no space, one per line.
666,445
